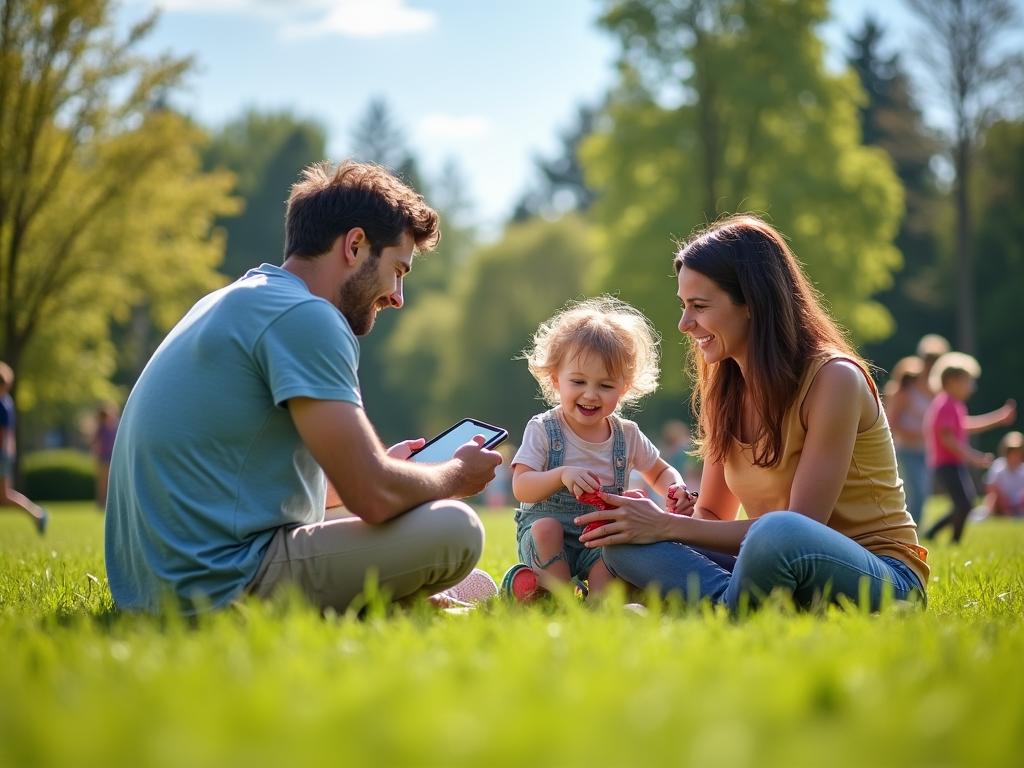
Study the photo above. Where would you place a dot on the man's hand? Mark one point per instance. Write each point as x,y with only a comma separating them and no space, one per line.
579,480
404,449
477,468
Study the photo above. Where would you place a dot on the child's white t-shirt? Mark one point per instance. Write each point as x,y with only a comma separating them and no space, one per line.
1010,481
641,454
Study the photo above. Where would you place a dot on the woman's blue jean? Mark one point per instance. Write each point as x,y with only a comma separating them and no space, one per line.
808,560
917,480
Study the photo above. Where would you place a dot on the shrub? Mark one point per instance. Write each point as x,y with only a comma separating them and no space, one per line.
63,474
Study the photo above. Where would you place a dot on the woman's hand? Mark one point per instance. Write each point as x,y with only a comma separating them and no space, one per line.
630,521
579,480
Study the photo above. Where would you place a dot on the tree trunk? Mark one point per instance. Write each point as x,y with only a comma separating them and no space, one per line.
964,255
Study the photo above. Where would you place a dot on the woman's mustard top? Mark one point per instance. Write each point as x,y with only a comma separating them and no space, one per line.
871,509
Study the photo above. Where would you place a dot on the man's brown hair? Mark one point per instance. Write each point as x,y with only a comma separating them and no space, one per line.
325,204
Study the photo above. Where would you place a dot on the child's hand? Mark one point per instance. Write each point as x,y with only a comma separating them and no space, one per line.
679,501
579,480
1009,412
984,460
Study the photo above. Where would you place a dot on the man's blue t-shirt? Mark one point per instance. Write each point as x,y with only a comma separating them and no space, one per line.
207,462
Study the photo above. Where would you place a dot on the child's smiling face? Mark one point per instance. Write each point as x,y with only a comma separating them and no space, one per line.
589,394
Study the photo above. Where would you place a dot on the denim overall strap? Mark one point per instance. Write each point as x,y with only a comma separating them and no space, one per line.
619,454
556,441
556,448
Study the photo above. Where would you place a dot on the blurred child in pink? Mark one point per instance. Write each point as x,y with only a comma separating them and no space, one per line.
947,427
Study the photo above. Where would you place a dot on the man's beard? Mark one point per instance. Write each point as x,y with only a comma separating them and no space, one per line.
359,296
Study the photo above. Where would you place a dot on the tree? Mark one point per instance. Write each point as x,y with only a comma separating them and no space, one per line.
919,299
377,139
961,52
726,106
266,151
102,203
562,187
998,193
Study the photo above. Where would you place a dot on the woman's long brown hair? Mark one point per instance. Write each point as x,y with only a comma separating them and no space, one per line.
751,262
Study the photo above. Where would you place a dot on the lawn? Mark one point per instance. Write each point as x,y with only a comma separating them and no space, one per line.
559,685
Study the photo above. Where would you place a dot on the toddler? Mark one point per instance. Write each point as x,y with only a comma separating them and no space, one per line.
589,359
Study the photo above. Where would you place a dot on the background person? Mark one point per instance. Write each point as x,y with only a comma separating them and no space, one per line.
1004,481
947,427
790,425
8,450
905,406
224,493
102,446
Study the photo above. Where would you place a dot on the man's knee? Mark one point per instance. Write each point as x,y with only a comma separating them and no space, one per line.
454,523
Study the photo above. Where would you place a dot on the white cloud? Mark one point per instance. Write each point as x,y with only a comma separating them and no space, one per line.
441,126
317,18
365,18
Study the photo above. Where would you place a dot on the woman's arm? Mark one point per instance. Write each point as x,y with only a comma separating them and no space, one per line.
639,521
716,501
839,404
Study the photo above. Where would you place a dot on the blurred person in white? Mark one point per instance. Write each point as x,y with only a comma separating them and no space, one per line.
1004,481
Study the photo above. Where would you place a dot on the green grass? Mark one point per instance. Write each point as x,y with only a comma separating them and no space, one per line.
561,685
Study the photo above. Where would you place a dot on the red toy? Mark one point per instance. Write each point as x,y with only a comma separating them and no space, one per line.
594,500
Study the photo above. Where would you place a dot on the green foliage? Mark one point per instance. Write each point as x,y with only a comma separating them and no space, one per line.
103,207
920,297
455,351
273,684
266,151
999,242
726,106
62,474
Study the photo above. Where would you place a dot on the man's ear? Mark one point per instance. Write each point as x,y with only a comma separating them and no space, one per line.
351,242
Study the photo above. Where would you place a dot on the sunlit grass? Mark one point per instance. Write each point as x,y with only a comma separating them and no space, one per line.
276,684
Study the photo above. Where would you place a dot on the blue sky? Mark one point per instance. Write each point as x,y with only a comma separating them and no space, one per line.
490,84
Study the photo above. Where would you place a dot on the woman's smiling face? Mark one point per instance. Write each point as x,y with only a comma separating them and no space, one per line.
718,328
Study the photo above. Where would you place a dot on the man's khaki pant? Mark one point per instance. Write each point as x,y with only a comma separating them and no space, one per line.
424,551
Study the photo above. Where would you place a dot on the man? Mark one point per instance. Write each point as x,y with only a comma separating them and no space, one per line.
217,484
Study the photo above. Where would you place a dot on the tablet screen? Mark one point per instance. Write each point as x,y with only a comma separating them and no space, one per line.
443,447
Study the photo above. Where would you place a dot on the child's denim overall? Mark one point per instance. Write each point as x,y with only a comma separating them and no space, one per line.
565,507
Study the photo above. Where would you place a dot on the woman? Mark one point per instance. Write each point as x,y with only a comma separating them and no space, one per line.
790,425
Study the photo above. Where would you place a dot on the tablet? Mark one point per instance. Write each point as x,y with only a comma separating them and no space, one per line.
443,447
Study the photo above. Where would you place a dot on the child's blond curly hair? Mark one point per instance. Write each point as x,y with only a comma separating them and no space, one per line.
624,339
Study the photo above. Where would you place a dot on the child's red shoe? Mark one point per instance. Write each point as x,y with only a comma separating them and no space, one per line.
520,585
